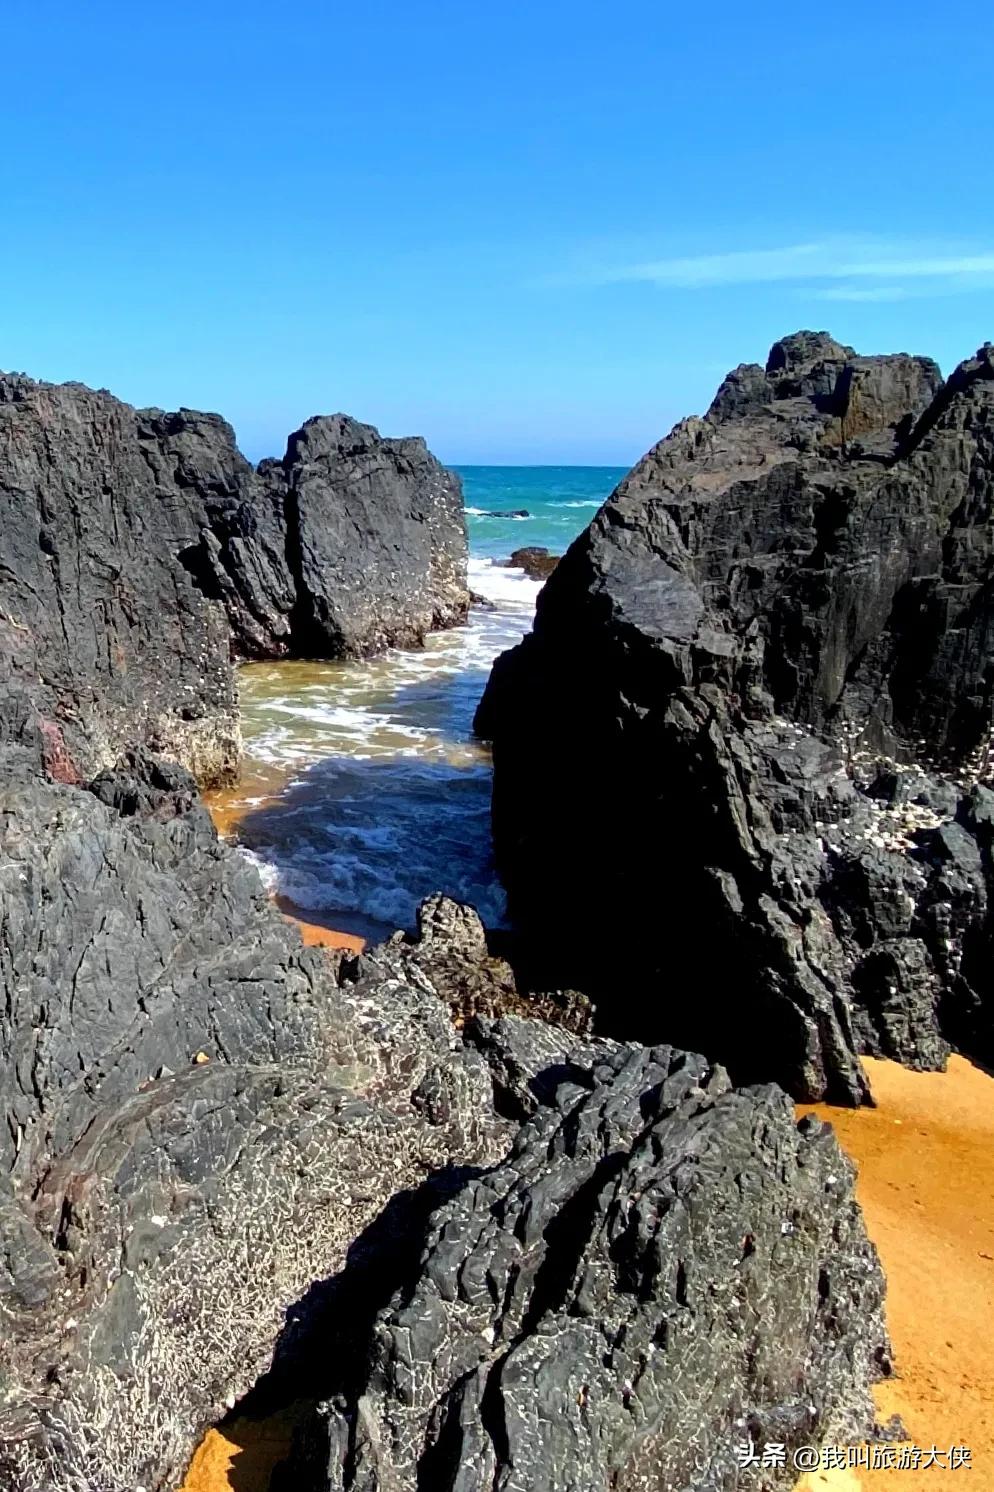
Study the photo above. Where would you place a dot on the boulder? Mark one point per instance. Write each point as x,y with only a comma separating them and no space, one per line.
537,563
778,595
662,1270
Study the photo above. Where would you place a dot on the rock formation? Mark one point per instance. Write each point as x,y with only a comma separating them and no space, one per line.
197,1123
704,749
660,1270
201,1119
536,1254
537,562
140,553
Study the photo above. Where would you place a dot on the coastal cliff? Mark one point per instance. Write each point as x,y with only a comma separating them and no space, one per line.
141,554
751,728
224,1155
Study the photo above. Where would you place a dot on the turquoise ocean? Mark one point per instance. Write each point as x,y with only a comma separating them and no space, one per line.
363,786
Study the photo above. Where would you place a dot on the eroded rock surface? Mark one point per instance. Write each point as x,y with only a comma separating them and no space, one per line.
140,553
503,1252
197,1123
776,595
219,1148
661,1269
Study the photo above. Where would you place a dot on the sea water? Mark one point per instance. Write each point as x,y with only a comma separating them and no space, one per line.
363,787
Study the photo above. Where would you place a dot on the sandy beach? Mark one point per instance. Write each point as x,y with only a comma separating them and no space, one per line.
925,1157
241,1456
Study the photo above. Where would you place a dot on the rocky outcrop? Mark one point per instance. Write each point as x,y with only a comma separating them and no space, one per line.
543,1258
776,597
217,1145
197,1123
661,1270
451,946
140,553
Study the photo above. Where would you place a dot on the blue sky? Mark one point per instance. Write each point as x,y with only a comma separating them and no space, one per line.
532,232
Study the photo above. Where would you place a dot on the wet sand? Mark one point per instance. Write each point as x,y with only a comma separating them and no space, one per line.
926,1184
316,935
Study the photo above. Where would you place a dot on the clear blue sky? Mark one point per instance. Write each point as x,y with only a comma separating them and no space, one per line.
533,232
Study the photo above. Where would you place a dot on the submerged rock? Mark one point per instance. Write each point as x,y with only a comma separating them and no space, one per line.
140,553
538,563
776,594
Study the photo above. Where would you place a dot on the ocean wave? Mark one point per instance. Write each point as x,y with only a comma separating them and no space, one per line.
385,887
391,793
503,583
501,517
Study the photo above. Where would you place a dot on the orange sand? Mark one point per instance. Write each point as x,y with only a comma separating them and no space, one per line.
926,1184
241,1456
314,935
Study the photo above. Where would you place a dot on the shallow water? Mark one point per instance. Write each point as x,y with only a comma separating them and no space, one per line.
363,787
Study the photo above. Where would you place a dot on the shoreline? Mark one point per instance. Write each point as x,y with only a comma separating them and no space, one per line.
227,806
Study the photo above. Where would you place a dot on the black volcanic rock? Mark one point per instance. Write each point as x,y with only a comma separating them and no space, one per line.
660,1270
377,539
776,594
221,1152
140,553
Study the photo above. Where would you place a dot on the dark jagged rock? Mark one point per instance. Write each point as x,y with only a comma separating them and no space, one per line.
659,1271
217,1146
376,537
777,592
196,1123
200,1121
451,947
536,562
140,553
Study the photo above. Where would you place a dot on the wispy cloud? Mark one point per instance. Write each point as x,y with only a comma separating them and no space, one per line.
863,293
831,269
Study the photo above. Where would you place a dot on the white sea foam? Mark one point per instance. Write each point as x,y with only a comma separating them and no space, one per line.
504,584
503,517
